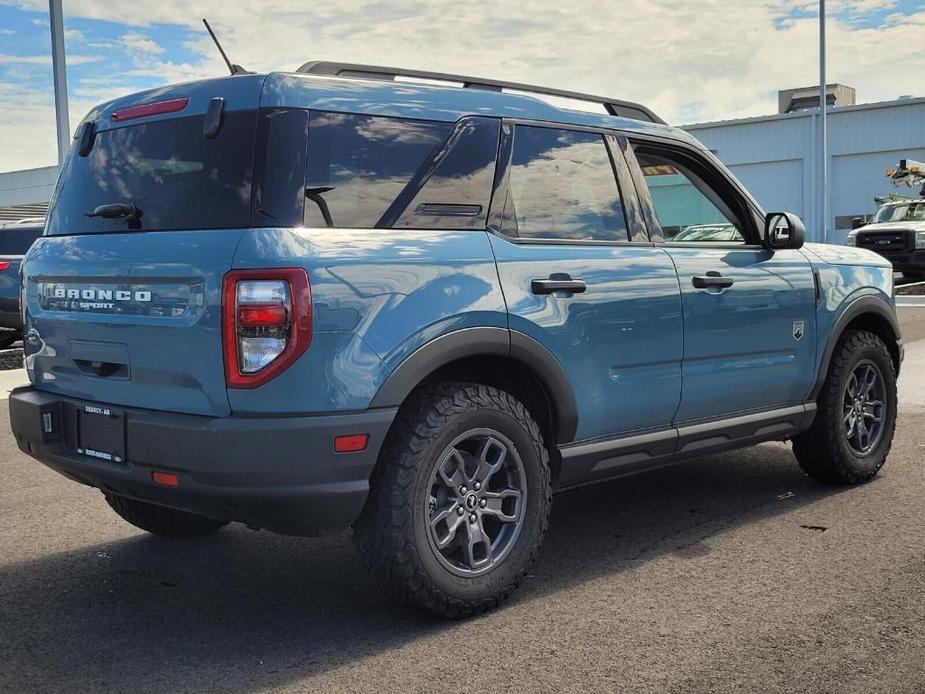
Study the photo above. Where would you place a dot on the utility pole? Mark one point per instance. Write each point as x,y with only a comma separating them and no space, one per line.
824,139
60,74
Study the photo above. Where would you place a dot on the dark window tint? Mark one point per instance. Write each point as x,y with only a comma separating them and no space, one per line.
15,240
689,209
457,181
280,166
358,165
562,186
178,178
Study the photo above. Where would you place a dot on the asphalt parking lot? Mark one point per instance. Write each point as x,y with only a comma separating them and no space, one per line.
732,573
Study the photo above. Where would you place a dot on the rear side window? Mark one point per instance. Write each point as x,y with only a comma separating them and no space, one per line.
562,186
168,169
359,165
15,240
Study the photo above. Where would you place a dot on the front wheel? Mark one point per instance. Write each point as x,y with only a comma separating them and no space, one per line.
856,417
459,501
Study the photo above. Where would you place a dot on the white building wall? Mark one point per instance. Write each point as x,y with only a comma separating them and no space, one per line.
27,186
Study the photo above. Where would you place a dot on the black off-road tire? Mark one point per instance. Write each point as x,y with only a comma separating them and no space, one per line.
823,451
391,533
159,520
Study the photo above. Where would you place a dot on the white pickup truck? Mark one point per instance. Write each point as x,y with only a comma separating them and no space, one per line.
897,230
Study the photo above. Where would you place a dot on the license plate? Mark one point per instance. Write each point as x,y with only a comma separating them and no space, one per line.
101,433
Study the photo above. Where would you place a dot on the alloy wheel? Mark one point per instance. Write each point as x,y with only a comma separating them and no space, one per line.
476,502
864,408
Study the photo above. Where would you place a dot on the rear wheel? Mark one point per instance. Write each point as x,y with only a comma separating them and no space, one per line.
160,520
459,502
853,430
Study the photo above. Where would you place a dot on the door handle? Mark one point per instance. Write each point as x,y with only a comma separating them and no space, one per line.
712,280
558,283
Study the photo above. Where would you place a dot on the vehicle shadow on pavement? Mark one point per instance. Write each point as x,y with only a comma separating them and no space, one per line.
246,611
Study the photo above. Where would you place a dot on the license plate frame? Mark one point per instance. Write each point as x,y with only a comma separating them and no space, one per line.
101,433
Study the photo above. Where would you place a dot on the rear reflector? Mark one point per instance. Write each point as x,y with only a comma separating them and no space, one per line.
350,444
155,109
4,265
167,479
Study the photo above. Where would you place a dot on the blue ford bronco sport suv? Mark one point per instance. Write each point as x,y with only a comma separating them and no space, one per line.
330,298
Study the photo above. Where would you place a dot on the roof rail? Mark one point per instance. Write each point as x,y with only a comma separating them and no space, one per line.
615,107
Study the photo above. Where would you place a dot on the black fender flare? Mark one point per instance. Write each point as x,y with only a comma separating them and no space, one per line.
474,342
858,307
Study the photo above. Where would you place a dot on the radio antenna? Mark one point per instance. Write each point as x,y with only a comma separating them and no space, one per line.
234,69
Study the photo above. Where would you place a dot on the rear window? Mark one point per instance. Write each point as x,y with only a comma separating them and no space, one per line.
168,169
15,240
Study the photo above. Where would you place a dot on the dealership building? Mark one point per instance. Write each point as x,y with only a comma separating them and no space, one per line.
777,157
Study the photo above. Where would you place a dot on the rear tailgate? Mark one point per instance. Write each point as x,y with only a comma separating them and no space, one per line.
127,307
131,319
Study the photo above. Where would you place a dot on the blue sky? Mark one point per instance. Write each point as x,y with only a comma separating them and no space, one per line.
691,60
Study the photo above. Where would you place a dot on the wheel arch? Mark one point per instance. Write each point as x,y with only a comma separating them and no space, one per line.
866,313
494,356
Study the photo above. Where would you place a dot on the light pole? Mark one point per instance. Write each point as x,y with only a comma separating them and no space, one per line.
60,74
824,168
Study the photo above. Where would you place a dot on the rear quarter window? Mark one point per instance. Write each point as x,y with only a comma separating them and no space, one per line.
359,165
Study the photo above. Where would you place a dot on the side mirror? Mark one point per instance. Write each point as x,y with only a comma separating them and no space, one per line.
857,223
783,230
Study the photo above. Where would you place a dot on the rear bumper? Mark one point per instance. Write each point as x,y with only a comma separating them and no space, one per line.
279,473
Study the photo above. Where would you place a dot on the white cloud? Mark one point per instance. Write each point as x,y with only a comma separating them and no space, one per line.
139,43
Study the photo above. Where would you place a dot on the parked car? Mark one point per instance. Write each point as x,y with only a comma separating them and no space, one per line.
15,239
306,301
897,232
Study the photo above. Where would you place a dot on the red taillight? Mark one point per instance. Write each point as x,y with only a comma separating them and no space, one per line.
4,265
155,109
350,444
266,323
262,316
166,479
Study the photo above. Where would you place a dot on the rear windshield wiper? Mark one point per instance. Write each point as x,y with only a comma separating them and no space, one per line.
119,210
